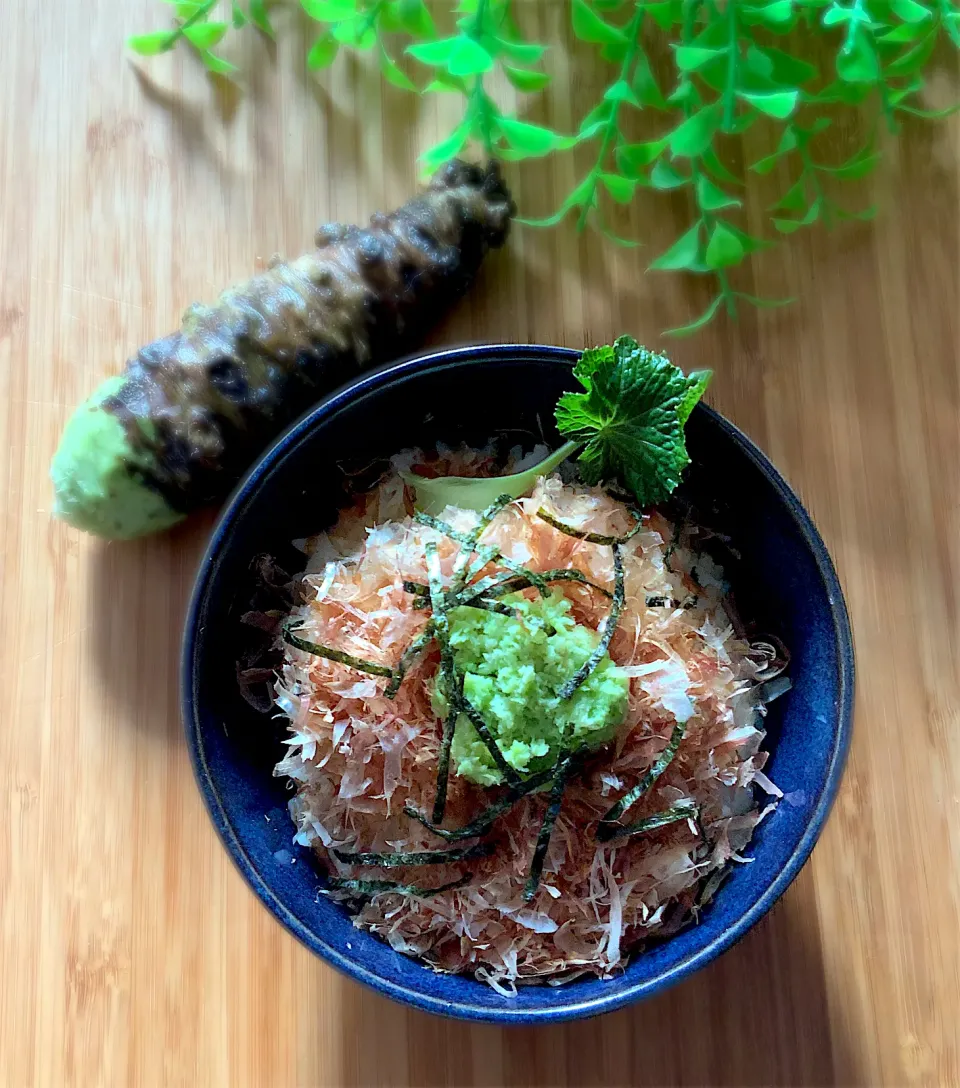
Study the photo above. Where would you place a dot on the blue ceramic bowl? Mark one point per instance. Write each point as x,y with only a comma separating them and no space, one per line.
783,581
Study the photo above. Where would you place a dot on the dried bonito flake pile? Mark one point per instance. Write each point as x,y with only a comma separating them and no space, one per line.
360,760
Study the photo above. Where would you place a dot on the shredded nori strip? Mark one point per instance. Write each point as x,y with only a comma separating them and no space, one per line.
448,675
492,553
461,566
331,654
688,602
499,585
610,625
375,887
483,731
482,824
561,775
592,538
604,829
424,857
408,657
683,810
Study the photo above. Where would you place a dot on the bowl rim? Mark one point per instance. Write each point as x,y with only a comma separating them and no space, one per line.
440,359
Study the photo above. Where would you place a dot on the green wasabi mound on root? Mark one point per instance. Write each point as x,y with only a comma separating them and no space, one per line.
513,667
97,484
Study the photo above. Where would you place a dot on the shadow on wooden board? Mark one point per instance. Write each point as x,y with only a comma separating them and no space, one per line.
756,1017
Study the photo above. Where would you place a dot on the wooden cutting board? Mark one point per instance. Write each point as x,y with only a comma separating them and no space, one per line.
130,950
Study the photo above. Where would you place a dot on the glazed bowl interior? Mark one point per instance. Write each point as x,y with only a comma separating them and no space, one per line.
780,573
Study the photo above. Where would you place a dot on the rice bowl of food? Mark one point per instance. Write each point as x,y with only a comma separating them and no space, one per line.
505,734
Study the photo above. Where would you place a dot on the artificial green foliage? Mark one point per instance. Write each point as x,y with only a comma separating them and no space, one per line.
697,73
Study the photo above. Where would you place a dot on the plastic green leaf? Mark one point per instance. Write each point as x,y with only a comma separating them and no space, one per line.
684,253
205,35
633,158
446,149
329,11
663,176
788,226
860,64
322,53
216,64
705,318
795,198
778,104
620,188
711,161
531,140
621,91
259,17
520,52
392,73
237,16
857,167
785,68
525,80
694,135
724,248
690,58
589,27
645,84
436,54
149,45
414,17
910,11
712,198
778,15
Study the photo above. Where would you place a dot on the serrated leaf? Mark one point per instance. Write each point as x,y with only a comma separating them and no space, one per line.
664,177
529,139
589,27
683,254
322,53
712,198
633,158
149,45
392,73
705,318
620,188
694,135
724,248
690,58
627,419
205,35
621,91
526,81
777,104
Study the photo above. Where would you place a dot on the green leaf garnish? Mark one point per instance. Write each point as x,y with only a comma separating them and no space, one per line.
629,418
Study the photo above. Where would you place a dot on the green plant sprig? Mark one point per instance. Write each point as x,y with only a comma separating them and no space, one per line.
792,66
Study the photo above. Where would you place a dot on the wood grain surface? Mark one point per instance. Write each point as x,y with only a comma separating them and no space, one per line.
132,952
